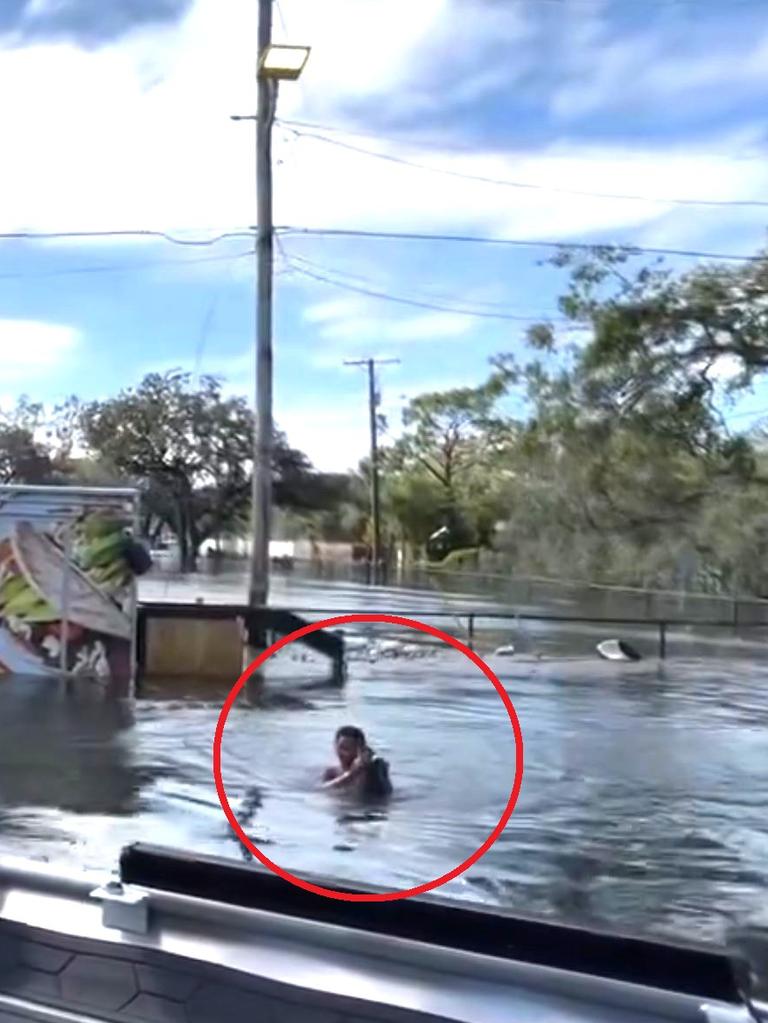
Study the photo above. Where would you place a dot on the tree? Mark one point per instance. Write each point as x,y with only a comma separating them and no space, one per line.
23,458
191,451
452,439
63,433
332,507
653,332
624,456
414,500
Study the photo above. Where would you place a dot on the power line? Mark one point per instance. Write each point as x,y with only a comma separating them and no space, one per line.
340,232
211,312
128,233
432,306
287,38
122,268
528,185
366,281
397,235
282,19
443,145
291,123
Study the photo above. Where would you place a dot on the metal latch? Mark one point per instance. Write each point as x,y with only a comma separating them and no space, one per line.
123,908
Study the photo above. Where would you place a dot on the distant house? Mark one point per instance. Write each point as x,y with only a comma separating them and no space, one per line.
284,550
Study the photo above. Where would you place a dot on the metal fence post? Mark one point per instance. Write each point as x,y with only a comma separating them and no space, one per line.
65,600
662,641
471,633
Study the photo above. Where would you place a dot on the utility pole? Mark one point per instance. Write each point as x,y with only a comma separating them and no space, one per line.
275,63
373,402
261,493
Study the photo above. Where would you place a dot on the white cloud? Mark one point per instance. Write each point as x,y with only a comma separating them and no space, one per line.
411,58
668,65
369,324
236,372
430,327
333,310
363,191
357,320
138,133
359,47
336,438
33,344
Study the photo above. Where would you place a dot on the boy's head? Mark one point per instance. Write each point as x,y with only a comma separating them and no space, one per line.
350,742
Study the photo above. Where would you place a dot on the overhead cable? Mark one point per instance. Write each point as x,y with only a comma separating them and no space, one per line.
530,185
123,233
402,300
121,267
343,232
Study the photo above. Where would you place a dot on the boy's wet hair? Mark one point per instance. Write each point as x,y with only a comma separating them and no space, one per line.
351,732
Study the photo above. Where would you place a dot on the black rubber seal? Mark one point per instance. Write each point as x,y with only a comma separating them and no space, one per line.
686,969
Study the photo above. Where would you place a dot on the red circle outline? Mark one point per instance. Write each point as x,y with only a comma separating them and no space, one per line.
332,893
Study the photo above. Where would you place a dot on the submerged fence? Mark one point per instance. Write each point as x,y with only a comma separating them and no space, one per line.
551,634
533,634
227,582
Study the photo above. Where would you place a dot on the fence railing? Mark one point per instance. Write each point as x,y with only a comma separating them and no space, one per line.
660,626
510,590
468,618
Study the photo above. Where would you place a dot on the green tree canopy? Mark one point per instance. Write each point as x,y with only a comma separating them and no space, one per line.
23,456
624,452
441,471
191,449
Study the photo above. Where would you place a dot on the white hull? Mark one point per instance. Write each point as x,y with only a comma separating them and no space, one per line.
197,960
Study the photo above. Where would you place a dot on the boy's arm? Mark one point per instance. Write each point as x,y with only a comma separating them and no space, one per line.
336,777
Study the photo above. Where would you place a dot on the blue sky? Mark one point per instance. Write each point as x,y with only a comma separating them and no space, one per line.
120,118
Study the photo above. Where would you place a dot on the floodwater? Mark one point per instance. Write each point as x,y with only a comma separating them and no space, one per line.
642,806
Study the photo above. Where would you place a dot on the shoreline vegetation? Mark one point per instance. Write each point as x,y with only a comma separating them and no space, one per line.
601,449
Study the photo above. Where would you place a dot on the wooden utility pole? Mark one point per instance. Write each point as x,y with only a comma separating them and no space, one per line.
275,64
263,427
373,402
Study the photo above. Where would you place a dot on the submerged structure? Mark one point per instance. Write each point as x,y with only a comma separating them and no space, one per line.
67,583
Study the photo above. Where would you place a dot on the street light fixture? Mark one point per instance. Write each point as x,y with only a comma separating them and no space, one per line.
284,63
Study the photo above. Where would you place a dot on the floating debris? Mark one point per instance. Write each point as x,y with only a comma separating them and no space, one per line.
353,643
390,647
617,650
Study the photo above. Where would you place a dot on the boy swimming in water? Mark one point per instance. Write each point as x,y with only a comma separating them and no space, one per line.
360,769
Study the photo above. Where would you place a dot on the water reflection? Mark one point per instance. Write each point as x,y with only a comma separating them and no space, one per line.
643,803
61,746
